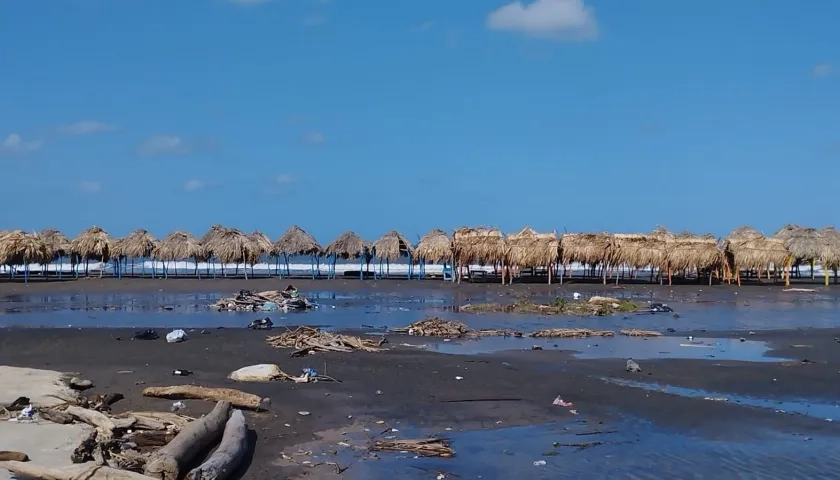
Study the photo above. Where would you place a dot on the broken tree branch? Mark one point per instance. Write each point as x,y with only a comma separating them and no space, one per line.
169,462
227,457
236,398
86,471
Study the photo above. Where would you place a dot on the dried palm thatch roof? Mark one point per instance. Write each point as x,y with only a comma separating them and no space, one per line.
260,244
179,245
750,249
297,242
637,250
527,248
686,251
830,257
479,245
93,243
662,233
19,248
231,246
348,245
434,247
392,246
137,244
803,243
208,238
589,248
57,243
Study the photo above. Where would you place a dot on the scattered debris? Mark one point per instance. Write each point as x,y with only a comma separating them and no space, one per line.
268,301
571,333
635,332
659,308
632,366
182,372
80,384
176,336
261,324
308,340
579,445
562,403
146,335
435,327
599,306
803,290
429,447
267,372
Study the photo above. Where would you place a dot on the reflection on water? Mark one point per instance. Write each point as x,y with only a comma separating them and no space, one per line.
636,450
828,411
615,347
390,309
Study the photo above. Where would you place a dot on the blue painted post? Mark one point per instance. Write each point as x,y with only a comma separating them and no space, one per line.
361,270
26,272
197,271
213,260
333,265
60,265
387,267
410,266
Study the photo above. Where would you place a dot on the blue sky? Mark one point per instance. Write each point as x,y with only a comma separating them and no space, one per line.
370,115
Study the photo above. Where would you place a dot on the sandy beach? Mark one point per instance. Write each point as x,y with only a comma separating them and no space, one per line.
421,392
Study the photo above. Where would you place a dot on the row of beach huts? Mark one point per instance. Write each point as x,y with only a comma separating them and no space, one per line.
606,256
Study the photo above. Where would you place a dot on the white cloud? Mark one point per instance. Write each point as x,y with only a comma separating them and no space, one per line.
285,179
85,127
823,70
15,144
314,20
315,138
164,145
195,185
90,187
554,19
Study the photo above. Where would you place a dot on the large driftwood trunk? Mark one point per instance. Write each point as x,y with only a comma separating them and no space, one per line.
169,462
86,471
227,457
236,398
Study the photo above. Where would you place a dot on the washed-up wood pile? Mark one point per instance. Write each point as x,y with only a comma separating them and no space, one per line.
435,327
307,340
148,445
427,447
268,301
595,306
571,333
440,328
635,332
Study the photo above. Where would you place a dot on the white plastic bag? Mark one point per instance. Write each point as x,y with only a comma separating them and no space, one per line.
176,336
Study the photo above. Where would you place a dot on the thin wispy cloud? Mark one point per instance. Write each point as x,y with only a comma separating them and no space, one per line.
90,187
195,185
281,184
160,145
822,70
86,127
314,138
14,144
314,20
550,19
424,26
285,179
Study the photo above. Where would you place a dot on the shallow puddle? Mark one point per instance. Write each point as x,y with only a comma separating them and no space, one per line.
827,411
633,450
614,347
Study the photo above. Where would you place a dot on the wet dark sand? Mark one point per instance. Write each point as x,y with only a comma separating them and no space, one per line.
414,386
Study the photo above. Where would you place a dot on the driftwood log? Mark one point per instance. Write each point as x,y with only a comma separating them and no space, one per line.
168,462
86,471
227,457
55,416
99,420
6,456
236,398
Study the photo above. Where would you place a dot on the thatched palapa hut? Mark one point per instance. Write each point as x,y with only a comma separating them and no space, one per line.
688,251
231,246
348,246
804,244
435,247
587,249
830,257
393,246
178,246
260,245
59,247
92,244
638,251
20,248
747,248
529,249
296,241
137,244
482,246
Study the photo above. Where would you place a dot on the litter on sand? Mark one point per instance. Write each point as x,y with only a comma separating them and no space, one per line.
268,301
428,447
176,336
435,327
635,332
309,340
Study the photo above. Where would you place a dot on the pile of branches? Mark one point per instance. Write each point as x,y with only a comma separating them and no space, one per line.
635,332
309,340
145,445
438,327
247,301
571,333
435,327
427,447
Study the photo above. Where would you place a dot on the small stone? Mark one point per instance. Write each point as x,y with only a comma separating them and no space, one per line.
80,384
